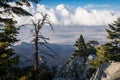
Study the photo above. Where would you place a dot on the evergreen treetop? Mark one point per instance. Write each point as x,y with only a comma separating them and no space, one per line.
80,47
8,58
112,48
114,30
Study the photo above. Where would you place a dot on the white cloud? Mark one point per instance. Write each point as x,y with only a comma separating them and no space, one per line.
90,6
69,24
62,10
61,15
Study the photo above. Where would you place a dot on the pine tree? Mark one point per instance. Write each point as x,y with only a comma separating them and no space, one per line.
100,57
8,33
112,49
80,47
8,59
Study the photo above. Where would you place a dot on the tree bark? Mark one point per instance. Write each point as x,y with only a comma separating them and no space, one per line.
36,52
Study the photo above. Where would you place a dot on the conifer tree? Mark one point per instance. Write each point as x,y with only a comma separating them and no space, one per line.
8,33
112,49
100,57
80,47
8,59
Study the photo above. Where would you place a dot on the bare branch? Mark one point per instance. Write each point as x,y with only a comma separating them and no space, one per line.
50,49
27,59
42,37
44,52
38,36
24,25
49,25
33,22
39,22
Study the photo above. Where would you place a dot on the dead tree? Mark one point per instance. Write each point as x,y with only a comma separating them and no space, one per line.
37,36
36,31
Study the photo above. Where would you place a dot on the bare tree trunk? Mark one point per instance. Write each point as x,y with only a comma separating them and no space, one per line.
94,77
36,52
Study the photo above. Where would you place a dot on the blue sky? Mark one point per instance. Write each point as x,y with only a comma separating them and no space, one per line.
108,4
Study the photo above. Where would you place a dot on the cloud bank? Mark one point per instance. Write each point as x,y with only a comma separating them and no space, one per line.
62,15
70,23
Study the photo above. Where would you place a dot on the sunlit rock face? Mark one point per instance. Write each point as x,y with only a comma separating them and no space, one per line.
108,71
113,71
76,69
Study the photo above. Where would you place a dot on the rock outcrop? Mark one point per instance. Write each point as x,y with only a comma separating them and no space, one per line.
75,69
108,71
113,71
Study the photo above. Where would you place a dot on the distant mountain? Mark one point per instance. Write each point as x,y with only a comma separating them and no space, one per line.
26,50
